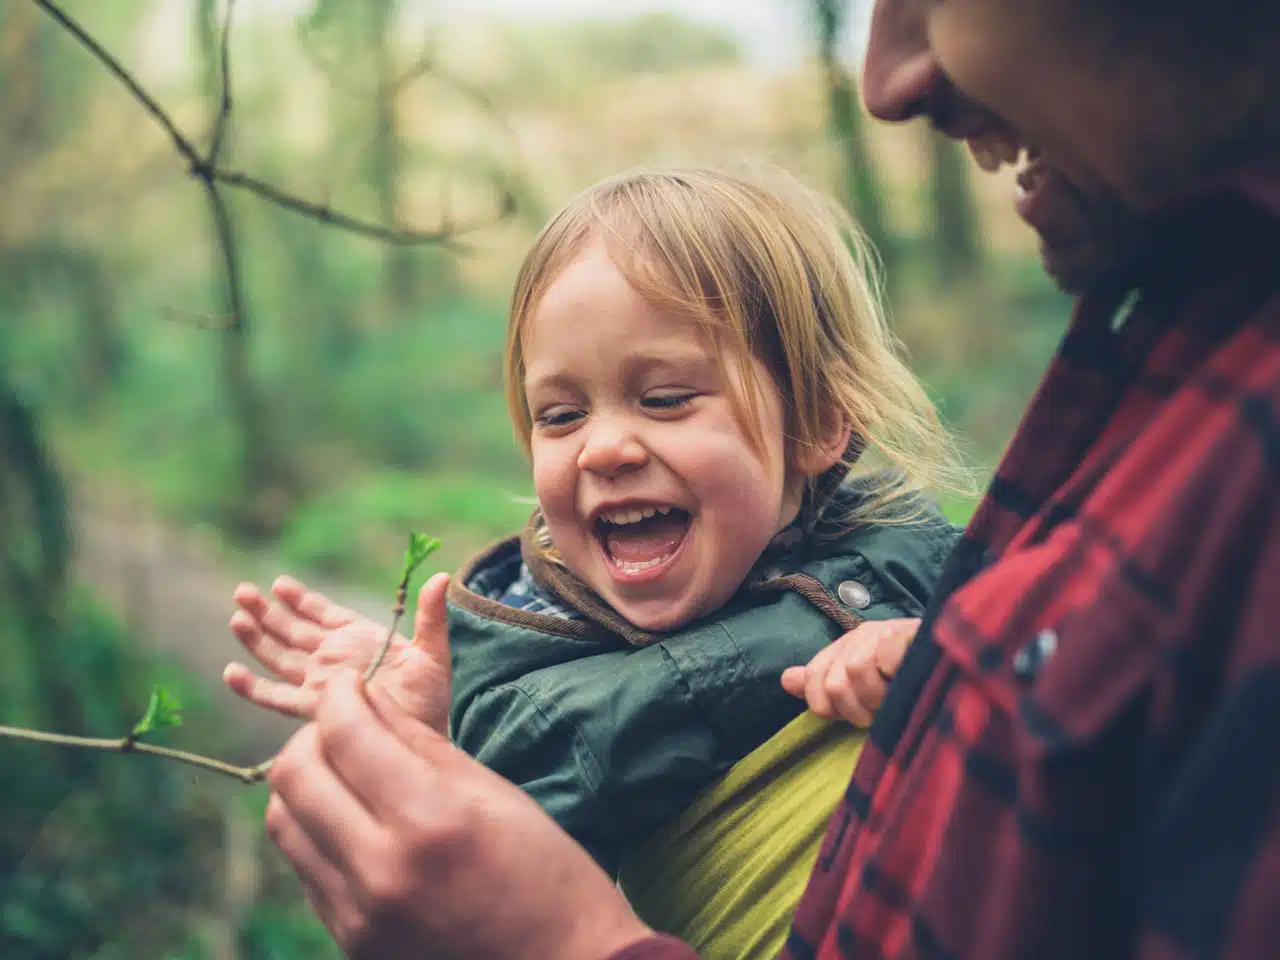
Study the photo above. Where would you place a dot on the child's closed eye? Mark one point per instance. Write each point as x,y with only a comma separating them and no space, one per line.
558,417
668,401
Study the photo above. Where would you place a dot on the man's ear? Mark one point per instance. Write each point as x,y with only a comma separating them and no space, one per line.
829,448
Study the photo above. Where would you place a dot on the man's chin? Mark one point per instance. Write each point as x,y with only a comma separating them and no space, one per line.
1073,268
1082,237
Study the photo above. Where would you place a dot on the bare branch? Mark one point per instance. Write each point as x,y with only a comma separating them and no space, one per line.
224,108
226,242
254,774
206,169
444,234
124,76
426,63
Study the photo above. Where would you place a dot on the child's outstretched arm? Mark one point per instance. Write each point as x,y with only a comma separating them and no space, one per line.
849,677
304,637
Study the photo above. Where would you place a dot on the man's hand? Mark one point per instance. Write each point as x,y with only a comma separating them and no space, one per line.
408,848
305,638
849,677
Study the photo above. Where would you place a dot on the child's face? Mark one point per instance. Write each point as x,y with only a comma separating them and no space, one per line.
634,420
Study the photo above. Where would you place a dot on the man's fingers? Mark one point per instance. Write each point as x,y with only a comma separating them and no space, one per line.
421,738
284,698
375,763
311,604
323,807
323,883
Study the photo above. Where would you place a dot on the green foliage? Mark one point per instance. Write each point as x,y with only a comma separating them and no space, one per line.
164,710
420,547
286,931
113,856
351,530
88,838
554,59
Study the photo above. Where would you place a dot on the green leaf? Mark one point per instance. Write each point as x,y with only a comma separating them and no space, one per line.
420,547
164,710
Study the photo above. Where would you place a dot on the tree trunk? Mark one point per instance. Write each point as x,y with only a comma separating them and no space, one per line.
860,185
957,246
386,156
266,484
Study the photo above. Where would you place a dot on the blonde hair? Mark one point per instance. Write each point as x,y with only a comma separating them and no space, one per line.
774,271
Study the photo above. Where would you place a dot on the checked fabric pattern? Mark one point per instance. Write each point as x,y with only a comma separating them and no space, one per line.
1080,756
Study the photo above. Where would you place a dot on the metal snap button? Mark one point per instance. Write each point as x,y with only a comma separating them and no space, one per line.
853,594
1028,661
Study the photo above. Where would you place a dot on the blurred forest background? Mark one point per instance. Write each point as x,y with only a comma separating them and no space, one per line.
162,437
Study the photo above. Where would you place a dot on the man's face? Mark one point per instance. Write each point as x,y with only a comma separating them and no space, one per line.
1002,76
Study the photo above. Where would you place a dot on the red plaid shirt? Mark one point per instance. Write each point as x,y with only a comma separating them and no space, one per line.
1080,756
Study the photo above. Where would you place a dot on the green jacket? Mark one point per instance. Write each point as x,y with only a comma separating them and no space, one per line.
613,731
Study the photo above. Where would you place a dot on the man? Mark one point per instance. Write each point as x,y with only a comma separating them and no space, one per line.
1078,757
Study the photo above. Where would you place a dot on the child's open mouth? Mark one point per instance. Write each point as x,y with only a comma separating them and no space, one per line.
640,541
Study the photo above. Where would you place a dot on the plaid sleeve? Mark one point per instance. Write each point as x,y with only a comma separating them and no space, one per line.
1211,884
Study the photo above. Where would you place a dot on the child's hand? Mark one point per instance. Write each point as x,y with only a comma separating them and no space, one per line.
849,677
306,637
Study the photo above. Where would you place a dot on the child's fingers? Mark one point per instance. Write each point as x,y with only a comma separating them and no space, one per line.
858,671
793,681
311,604
892,647
249,598
281,697
285,626
431,620
285,663
866,685
815,681
845,700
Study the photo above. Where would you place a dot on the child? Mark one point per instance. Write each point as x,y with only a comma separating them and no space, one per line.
695,362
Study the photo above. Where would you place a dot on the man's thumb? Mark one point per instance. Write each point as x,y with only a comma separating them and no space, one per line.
430,621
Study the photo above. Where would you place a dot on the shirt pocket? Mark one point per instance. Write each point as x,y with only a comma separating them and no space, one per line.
1071,695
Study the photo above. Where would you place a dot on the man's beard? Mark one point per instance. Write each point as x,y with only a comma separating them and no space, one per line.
1089,237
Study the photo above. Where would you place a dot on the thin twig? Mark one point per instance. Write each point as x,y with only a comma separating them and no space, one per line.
224,108
396,613
206,169
124,76
443,235
254,774
426,62
226,242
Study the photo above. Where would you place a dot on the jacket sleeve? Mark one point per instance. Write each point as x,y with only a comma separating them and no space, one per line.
505,730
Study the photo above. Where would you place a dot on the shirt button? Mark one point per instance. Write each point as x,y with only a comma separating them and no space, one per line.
853,594
1028,661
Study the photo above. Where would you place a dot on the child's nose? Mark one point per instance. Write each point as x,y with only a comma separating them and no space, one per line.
610,449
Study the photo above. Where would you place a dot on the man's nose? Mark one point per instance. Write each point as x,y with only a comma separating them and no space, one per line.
611,448
899,72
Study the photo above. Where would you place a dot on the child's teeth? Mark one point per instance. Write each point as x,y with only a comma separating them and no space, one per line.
622,517
635,566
